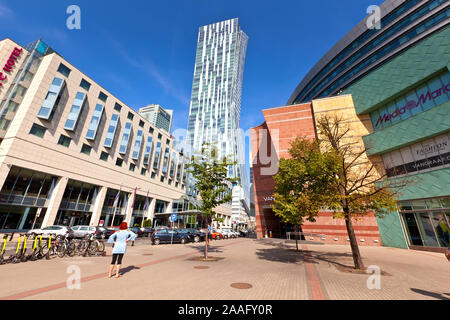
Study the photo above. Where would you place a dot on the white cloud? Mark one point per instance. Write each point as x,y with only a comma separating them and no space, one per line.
5,11
149,68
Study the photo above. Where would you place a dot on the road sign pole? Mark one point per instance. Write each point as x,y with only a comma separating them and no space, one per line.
171,239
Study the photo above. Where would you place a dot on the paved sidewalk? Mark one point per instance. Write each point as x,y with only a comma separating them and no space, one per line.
272,267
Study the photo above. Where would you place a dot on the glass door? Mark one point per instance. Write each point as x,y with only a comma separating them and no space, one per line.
441,228
427,230
412,229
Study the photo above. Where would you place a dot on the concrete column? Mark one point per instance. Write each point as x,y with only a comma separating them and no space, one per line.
4,171
151,209
129,210
98,206
55,201
169,207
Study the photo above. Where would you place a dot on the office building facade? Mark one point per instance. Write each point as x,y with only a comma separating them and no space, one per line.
158,116
398,77
73,153
214,114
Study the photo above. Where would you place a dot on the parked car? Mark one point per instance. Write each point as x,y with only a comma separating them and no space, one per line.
58,230
166,236
137,231
228,234
85,231
194,234
216,235
106,232
146,231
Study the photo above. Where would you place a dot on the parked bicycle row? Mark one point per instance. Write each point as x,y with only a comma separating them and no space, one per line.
32,247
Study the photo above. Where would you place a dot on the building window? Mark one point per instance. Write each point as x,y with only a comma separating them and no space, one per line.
148,151
119,162
170,182
153,175
168,141
162,179
104,156
159,136
125,138
157,156
130,116
176,184
137,146
102,96
75,111
117,107
141,123
85,85
64,70
64,140
52,99
132,167
143,171
38,130
109,139
151,130
95,121
86,149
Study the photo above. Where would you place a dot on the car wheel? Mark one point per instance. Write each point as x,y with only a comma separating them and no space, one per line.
103,236
183,240
196,239
156,241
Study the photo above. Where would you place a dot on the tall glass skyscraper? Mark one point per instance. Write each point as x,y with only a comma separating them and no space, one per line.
214,114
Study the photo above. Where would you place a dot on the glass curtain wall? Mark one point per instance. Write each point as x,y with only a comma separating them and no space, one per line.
22,194
427,222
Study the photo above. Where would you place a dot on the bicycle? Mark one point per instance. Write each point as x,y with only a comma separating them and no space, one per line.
94,246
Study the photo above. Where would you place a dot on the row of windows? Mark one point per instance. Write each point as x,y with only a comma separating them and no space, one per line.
375,43
359,41
387,49
65,141
64,70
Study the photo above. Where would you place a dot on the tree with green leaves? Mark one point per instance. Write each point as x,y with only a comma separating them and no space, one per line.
212,183
333,172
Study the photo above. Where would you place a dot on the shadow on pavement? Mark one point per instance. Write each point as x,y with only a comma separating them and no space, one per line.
128,269
213,248
282,252
431,294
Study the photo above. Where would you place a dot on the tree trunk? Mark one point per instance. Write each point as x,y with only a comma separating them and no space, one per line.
353,242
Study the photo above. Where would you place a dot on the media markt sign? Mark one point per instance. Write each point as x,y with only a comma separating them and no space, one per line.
435,92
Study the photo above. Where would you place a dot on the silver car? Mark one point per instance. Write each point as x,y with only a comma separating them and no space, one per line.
84,231
58,230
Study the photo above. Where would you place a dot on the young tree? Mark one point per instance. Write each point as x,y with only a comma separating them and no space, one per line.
300,184
212,183
334,172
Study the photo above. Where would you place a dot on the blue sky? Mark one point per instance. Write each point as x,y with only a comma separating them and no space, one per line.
144,51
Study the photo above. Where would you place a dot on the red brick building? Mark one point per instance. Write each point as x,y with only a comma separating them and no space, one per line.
270,142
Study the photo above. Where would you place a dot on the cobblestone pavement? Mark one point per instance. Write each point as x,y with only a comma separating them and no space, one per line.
272,267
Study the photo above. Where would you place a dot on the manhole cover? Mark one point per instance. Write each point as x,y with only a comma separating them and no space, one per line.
201,267
147,254
241,285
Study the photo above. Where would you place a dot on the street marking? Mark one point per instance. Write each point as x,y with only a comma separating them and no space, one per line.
94,277
313,277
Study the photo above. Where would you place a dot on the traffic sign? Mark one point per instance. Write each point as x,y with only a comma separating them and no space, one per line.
173,217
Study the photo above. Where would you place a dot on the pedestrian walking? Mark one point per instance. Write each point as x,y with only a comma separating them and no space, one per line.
119,240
